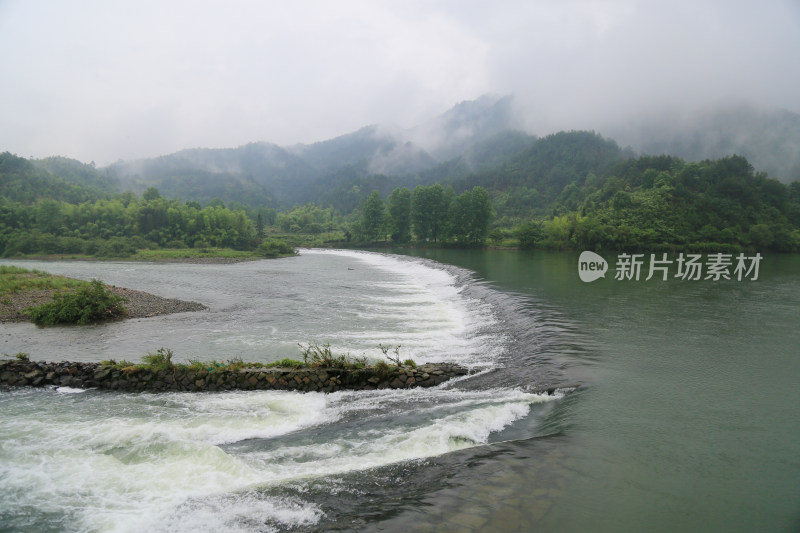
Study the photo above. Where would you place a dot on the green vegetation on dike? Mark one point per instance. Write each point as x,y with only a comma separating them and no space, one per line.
314,356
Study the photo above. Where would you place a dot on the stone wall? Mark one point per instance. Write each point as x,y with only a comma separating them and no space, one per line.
134,379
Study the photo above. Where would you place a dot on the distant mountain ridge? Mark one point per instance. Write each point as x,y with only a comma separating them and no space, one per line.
460,146
286,173
768,138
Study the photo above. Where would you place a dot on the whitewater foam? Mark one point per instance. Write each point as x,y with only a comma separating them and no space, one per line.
437,322
100,461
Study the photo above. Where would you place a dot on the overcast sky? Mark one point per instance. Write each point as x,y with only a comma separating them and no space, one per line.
104,80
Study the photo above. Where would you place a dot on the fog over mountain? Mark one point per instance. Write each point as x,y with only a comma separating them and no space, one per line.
369,150
472,136
769,138
104,81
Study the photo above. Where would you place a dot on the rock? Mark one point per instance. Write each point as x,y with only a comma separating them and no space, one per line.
19,373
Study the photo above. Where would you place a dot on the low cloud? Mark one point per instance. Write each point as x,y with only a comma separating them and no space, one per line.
112,80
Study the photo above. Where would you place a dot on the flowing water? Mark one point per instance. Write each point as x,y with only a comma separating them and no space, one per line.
688,419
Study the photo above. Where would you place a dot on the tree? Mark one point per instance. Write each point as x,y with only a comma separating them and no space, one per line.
429,211
151,194
470,215
480,215
399,207
259,226
372,216
529,234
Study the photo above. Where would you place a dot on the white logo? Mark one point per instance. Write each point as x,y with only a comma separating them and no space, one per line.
591,266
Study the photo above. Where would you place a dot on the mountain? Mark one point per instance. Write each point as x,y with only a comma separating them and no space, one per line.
267,174
78,173
474,142
24,182
769,139
535,178
454,132
247,174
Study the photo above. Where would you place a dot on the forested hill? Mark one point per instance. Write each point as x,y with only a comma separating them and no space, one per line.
578,190
75,172
768,138
659,202
461,147
23,181
264,173
42,213
566,190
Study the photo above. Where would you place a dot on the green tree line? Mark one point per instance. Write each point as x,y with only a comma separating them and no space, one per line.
432,213
118,226
567,190
663,202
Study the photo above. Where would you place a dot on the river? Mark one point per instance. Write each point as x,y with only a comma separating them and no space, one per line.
687,419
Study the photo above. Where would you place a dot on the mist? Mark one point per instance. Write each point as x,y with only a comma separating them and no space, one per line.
102,81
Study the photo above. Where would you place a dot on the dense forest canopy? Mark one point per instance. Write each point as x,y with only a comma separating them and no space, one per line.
566,190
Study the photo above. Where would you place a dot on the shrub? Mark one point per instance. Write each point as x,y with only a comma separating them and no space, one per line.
161,360
274,248
286,363
196,364
394,359
382,369
116,247
316,355
90,303
122,365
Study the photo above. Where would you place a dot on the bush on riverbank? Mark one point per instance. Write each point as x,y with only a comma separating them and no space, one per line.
88,303
271,248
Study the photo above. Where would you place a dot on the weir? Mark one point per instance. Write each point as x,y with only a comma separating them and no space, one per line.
83,375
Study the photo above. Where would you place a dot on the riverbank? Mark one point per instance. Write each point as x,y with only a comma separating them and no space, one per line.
21,289
17,373
139,304
144,258
269,250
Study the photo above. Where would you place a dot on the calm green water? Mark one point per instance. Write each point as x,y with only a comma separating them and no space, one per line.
688,420
691,420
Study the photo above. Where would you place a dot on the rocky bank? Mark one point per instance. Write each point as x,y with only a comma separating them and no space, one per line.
18,373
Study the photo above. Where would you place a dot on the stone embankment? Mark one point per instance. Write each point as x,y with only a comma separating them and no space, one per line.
180,378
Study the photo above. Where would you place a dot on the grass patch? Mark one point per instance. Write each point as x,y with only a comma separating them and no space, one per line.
285,363
193,253
14,279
